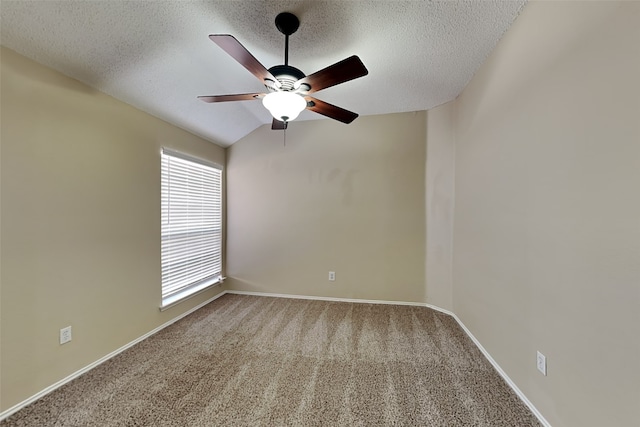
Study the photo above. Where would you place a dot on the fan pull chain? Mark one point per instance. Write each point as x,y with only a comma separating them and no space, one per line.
284,142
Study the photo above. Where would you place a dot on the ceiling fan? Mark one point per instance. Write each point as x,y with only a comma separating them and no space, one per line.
288,88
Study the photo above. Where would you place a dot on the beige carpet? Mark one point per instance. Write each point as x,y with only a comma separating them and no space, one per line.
259,361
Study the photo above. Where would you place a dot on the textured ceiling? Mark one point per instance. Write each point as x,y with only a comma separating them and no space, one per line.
156,56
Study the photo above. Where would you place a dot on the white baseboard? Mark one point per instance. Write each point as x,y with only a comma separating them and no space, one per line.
359,301
87,368
503,374
486,354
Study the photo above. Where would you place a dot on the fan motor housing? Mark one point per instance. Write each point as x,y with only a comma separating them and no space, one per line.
286,75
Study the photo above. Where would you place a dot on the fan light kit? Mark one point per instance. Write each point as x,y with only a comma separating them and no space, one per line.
284,106
289,88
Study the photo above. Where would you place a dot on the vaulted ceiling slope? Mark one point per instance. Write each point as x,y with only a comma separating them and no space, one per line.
156,55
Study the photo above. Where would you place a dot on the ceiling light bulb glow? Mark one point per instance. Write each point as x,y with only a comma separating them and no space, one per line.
284,106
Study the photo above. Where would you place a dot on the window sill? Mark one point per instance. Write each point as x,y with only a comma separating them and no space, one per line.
190,292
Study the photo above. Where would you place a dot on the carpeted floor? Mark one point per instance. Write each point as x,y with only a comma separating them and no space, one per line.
259,361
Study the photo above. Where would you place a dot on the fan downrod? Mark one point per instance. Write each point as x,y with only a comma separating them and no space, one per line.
287,23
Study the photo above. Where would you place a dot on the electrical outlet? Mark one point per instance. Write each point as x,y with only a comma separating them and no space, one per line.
65,335
332,276
541,363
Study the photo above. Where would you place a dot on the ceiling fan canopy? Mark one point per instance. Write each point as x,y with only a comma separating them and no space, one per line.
288,88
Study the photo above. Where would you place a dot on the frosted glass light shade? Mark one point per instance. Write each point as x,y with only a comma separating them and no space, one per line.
284,106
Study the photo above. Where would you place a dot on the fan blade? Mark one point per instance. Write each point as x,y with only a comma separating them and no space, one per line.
329,110
236,97
229,44
340,72
278,125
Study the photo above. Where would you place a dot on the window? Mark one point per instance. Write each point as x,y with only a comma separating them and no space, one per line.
191,225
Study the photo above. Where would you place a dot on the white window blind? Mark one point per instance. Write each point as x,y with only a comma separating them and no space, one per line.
191,225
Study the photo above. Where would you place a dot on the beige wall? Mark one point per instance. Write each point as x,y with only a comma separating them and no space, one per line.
547,209
440,204
80,224
346,198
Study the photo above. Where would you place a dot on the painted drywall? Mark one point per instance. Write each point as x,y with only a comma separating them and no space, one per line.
343,198
80,224
547,209
440,204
